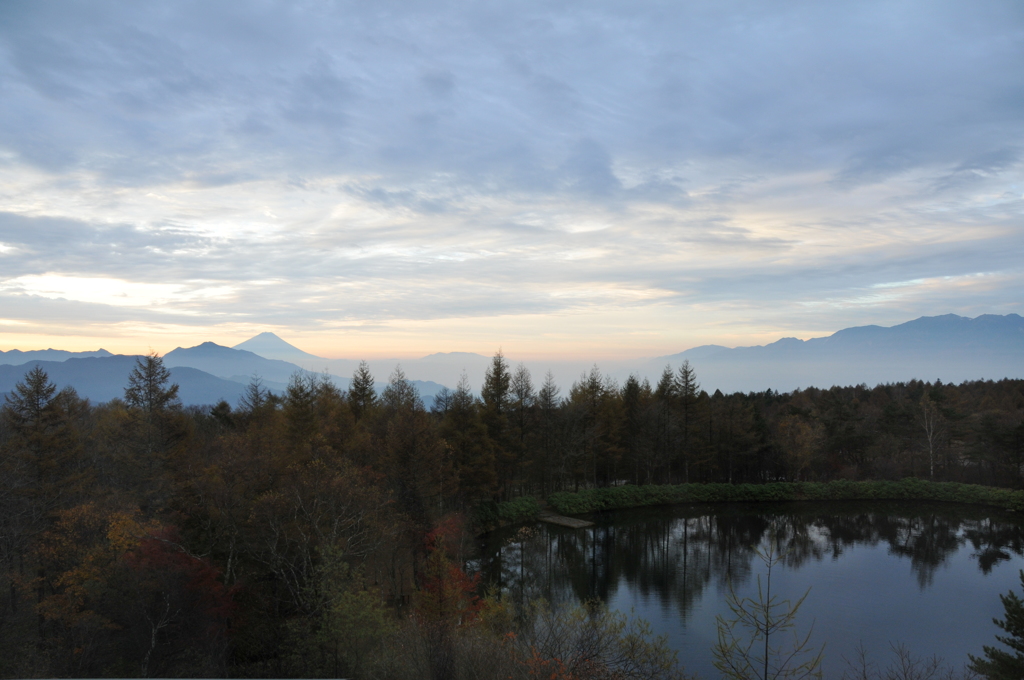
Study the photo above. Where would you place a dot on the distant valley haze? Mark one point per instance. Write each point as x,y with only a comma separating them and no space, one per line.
619,184
948,348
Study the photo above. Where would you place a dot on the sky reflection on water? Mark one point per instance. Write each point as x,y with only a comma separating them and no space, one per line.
928,575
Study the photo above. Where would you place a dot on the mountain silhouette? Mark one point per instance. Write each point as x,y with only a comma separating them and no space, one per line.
949,347
101,379
232,364
16,357
270,346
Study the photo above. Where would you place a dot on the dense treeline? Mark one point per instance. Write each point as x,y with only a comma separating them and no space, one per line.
602,434
298,534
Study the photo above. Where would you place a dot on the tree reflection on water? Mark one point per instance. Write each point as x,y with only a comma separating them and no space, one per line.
676,553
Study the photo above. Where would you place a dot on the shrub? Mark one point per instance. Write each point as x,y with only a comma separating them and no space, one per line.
491,515
629,496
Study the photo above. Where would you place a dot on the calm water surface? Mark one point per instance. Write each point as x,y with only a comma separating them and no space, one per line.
928,575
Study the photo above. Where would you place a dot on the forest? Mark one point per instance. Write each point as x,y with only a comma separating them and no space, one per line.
322,533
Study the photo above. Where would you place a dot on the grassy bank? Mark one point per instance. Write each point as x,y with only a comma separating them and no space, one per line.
629,496
492,515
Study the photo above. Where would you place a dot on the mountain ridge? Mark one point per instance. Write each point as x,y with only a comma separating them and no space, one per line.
271,346
948,347
17,357
871,332
230,362
101,379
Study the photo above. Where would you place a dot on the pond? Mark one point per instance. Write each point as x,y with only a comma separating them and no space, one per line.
928,575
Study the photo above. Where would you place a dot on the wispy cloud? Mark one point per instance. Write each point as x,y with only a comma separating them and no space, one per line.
677,172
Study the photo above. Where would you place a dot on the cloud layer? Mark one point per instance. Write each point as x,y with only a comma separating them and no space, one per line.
621,177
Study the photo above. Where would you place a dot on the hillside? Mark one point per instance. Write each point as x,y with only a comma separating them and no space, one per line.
949,347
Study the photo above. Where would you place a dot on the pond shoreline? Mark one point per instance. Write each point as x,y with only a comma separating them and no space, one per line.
877,570
632,496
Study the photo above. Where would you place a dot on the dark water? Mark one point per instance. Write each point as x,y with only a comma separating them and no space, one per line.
927,575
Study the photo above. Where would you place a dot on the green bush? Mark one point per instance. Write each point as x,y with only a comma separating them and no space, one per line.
629,496
490,515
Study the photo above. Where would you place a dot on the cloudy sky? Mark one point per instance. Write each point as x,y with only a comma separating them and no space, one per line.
607,179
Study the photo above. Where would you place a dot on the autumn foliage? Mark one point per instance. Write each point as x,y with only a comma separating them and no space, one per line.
447,595
317,532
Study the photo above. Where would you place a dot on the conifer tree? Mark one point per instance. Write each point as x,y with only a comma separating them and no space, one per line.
37,463
496,397
147,388
686,391
39,430
999,664
156,423
466,439
400,393
634,411
255,397
520,411
497,381
666,430
361,395
548,402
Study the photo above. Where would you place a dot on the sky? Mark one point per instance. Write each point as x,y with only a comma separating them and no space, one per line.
608,180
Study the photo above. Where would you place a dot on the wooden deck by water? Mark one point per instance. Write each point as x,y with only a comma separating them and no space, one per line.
562,520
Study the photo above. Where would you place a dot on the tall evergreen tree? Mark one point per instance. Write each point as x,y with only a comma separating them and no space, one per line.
520,411
522,400
495,392
497,382
587,402
687,390
496,396
666,431
999,664
400,393
255,397
636,427
300,407
156,424
147,389
361,395
467,440
548,450
30,463
39,464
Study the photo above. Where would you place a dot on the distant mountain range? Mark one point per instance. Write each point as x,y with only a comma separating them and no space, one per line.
104,378
428,373
232,364
950,347
206,373
16,356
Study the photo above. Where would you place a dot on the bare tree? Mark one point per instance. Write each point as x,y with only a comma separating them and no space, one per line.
931,421
745,649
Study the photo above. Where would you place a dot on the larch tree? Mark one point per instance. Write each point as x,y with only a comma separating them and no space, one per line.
687,390
520,410
361,395
548,431
255,397
147,389
156,423
496,397
666,429
466,440
36,463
